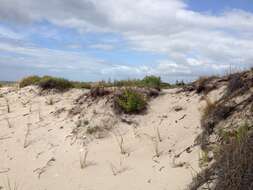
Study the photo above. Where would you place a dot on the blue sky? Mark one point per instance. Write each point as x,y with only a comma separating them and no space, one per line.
93,40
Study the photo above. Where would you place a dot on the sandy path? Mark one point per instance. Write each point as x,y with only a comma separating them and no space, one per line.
42,158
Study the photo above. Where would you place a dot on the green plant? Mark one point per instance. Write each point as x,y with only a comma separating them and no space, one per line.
92,130
204,159
152,82
1,85
61,84
81,85
130,101
30,80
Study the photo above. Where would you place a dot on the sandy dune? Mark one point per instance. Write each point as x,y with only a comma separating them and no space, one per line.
39,150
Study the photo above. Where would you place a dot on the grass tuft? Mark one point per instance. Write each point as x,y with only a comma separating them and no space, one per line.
30,80
48,82
130,101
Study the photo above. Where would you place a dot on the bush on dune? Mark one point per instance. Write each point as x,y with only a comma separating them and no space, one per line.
130,101
30,80
82,85
152,82
61,84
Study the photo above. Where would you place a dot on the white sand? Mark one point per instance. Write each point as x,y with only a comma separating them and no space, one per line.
48,149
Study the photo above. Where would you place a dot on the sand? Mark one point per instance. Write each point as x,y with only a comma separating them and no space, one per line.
39,150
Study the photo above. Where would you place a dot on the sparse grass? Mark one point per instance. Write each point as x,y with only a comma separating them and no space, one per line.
81,85
213,113
204,158
92,130
233,166
10,186
235,83
30,80
120,141
116,170
60,84
130,101
99,91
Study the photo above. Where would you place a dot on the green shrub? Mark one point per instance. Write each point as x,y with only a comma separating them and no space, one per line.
1,85
61,84
83,85
152,82
130,101
30,80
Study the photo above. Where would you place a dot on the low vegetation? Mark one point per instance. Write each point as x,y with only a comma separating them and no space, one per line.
228,121
152,82
61,84
233,166
146,82
81,85
1,85
130,101
30,80
48,82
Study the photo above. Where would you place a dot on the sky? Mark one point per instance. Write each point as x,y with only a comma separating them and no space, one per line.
92,40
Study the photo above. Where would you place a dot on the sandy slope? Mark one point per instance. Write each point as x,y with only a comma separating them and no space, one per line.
47,157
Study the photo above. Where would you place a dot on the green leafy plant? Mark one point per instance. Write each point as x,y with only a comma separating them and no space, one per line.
30,80
130,101
61,84
152,82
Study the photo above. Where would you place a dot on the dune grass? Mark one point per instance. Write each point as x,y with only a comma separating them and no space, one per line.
130,101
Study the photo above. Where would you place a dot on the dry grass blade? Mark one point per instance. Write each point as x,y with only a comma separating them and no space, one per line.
120,140
10,186
158,134
7,105
83,159
118,170
156,148
27,134
8,122
40,171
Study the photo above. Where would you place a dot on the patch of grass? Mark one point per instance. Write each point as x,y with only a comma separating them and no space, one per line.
235,83
152,82
81,85
235,166
130,101
92,130
204,159
30,80
48,82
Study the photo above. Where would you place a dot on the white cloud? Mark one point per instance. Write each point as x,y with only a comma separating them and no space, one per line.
193,42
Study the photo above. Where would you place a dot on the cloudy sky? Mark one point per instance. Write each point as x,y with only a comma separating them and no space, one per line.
118,39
